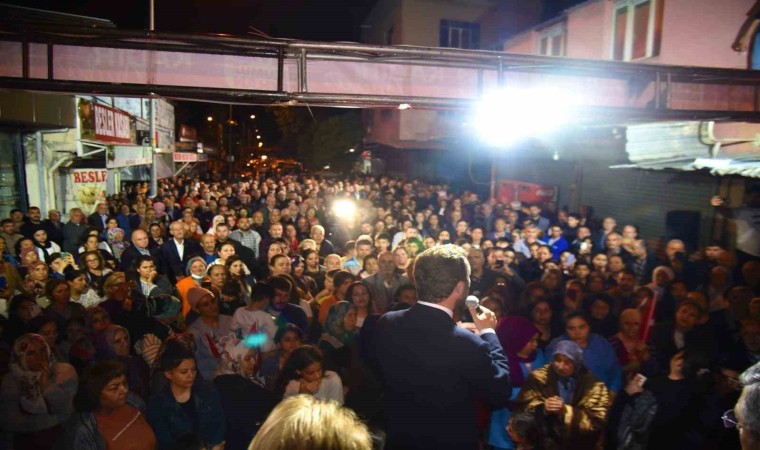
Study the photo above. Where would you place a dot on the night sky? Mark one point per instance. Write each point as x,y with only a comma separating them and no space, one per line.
328,20
322,20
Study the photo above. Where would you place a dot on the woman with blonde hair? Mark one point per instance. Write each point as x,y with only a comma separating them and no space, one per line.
305,422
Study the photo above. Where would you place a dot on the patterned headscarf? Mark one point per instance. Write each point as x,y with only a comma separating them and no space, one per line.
117,246
162,307
334,325
233,350
32,400
110,335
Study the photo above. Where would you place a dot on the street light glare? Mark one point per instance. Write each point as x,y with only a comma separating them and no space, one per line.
253,116
350,150
258,136
261,144
210,119
344,208
509,116
264,157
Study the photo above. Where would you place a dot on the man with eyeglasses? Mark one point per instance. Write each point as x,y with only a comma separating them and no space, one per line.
746,414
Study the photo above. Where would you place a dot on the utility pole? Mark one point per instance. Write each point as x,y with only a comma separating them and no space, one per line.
153,169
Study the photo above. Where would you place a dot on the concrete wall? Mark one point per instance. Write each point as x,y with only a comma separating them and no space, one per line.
421,21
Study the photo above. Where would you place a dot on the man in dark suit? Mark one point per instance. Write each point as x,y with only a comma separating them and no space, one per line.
176,252
436,372
139,247
99,218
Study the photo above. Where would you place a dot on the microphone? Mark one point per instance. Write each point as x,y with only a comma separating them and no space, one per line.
472,302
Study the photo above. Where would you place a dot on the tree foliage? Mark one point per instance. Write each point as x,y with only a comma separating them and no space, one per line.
319,139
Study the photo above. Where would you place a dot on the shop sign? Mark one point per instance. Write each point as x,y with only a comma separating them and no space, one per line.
185,157
105,124
120,156
509,191
86,188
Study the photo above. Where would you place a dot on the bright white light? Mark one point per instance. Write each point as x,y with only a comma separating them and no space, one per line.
350,150
556,155
404,106
210,119
264,157
253,116
261,144
327,167
511,115
258,136
344,208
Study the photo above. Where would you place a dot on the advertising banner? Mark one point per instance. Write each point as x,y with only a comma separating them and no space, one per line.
509,191
86,188
120,156
105,124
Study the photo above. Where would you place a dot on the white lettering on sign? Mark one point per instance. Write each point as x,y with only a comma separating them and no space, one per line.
111,123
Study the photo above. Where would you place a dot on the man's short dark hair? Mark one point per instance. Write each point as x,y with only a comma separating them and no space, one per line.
223,224
437,271
364,241
261,291
5,222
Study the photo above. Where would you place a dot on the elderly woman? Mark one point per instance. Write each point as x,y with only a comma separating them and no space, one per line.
118,348
567,399
109,415
36,394
519,339
207,329
598,355
34,283
246,402
632,352
196,267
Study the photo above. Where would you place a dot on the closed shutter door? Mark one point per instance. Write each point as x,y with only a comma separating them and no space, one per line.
643,197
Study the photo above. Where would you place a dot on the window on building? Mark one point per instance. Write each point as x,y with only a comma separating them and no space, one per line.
637,26
459,34
552,41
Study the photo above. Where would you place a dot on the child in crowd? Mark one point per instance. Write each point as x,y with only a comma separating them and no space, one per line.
303,374
254,320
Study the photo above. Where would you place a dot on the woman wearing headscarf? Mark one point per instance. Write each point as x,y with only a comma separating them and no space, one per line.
519,340
245,401
214,222
116,238
566,399
208,329
36,395
196,268
118,348
336,341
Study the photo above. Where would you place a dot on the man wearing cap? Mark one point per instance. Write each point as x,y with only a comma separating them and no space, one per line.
436,373
566,397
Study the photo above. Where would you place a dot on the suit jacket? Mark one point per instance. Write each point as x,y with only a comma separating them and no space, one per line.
383,297
171,264
435,374
94,220
129,256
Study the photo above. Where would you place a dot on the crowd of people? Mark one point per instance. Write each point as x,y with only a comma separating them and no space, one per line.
214,313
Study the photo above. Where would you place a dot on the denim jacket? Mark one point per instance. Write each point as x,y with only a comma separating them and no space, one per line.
170,422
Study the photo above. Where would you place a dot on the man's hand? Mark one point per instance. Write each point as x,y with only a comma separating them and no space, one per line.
486,318
554,405
717,201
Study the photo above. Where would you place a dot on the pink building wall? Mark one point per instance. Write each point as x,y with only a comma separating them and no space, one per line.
695,33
